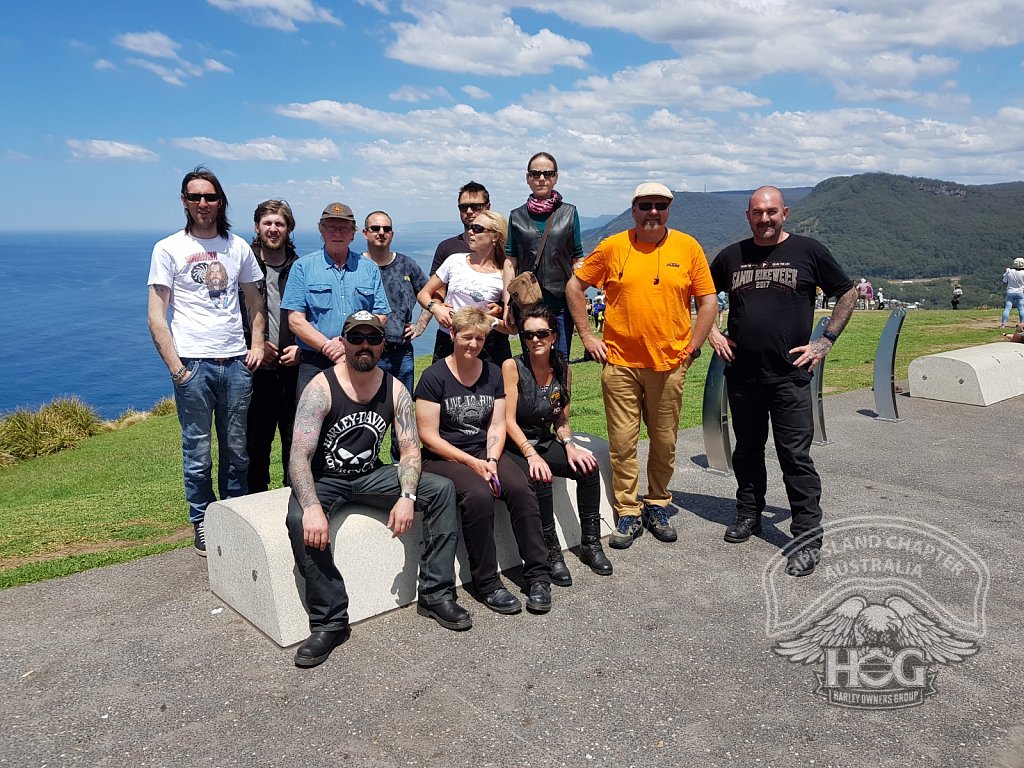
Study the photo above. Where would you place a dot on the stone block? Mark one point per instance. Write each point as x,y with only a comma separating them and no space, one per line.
979,375
251,567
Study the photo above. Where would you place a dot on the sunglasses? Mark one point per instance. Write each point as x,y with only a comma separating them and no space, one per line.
356,338
477,229
466,207
545,174
531,335
195,197
379,228
645,207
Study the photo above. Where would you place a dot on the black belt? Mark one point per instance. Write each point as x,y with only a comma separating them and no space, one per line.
397,344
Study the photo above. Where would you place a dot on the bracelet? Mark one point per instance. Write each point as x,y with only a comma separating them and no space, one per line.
431,303
830,336
491,458
410,496
523,446
179,374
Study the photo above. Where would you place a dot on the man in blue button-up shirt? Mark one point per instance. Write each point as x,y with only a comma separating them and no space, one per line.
324,288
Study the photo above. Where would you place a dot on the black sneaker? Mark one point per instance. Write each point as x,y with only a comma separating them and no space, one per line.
655,519
803,562
199,538
742,528
627,529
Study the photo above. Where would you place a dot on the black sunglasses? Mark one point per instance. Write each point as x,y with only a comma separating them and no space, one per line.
379,228
466,207
656,206
541,334
357,338
477,229
545,174
195,197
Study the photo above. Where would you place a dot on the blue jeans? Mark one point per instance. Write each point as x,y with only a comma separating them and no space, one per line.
218,391
397,360
1013,300
563,321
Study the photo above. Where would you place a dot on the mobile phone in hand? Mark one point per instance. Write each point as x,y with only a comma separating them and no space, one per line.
495,486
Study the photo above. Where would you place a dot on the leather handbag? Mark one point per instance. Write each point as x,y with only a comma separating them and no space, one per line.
524,288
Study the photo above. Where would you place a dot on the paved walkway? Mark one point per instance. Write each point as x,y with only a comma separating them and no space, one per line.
666,663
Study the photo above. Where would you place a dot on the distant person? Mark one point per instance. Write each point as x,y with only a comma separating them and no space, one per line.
598,313
770,279
863,294
880,299
958,293
473,198
648,274
546,219
342,417
203,346
325,287
473,279
403,279
1014,279
272,408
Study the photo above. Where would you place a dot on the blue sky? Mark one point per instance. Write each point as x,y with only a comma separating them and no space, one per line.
384,104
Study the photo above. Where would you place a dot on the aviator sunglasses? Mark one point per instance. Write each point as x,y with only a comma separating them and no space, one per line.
195,197
645,207
356,338
541,334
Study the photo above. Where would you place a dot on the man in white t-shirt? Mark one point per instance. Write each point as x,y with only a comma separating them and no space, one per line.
196,274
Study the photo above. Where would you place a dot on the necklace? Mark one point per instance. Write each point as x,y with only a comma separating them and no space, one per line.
657,278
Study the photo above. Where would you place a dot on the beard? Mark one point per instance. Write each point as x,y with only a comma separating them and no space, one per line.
363,362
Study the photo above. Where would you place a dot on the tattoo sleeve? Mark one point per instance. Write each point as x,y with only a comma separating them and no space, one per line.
309,417
408,442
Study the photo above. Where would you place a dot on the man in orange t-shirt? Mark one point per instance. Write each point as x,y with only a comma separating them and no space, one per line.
649,274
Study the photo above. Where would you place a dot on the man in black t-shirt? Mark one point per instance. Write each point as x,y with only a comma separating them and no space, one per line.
340,424
771,280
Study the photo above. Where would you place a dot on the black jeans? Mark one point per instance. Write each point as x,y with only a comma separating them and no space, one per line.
476,506
326,598
271,409
588,487
788,404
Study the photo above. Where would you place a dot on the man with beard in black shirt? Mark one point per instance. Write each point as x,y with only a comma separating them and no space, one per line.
771,280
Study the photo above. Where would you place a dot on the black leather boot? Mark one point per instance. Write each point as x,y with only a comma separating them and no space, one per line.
559,571
591,552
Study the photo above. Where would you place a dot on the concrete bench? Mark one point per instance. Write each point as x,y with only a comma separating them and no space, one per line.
252,569
974,376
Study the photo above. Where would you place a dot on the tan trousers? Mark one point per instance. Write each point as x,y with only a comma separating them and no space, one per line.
655,396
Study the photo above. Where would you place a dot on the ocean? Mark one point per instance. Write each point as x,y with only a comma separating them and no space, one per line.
75,315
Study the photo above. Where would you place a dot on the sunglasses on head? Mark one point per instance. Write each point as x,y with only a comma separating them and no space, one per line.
379,228
466,207
195,197
477,229
541,334
645,207
545,174
356,337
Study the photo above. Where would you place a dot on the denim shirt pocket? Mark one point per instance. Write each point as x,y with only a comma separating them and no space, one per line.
320,298
364,298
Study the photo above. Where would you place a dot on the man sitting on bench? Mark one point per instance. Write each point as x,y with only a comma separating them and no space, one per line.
339,426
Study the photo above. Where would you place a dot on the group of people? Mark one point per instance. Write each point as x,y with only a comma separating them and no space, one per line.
322,353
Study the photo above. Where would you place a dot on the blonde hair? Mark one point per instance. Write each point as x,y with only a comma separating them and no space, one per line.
470,318
496,223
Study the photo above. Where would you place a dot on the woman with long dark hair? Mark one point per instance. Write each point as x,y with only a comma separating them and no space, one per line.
546,218
538,384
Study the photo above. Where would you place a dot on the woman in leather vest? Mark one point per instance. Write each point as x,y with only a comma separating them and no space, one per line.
537,389
545,208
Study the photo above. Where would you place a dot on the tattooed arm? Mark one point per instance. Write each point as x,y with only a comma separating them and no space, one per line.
159,298
815,352
404,431
313,406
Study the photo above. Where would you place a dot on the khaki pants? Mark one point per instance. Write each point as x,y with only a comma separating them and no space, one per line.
655,396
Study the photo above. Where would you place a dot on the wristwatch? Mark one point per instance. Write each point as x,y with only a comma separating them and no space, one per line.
431,303
694,353
830,336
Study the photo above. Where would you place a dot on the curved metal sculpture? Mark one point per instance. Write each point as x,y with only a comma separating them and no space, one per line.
715,418
817,383
885,367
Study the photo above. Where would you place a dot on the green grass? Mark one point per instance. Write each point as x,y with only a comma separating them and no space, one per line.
118,495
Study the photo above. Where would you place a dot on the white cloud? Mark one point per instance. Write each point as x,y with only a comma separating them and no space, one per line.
378,5
102,149
155,44
273,149
212,65
171,76
475,93
412,93
278,14
103,64
491,43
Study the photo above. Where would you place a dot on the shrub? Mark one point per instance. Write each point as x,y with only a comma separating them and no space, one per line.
55,427
73,413
165,407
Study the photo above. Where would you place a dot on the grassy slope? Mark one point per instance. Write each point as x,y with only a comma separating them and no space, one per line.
119,495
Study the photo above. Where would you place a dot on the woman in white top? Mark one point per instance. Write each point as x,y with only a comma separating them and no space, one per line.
473,279
1014,279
